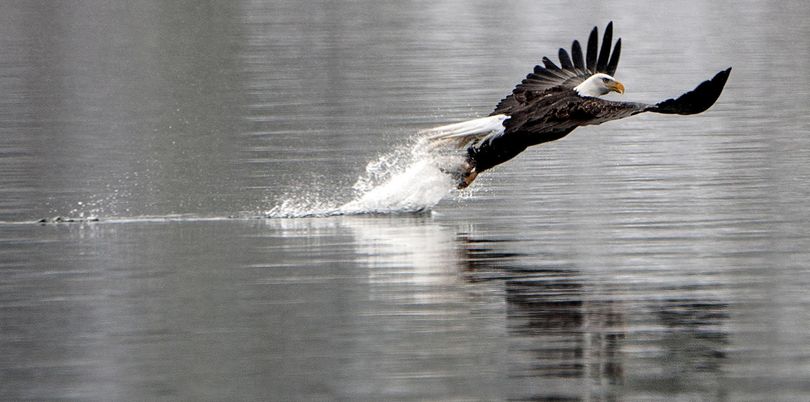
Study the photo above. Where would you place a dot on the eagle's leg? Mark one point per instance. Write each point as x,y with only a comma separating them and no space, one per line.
462,173
467,176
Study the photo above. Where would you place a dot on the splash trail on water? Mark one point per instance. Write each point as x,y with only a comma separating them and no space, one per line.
411,179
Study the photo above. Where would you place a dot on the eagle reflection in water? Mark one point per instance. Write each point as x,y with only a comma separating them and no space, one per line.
565,326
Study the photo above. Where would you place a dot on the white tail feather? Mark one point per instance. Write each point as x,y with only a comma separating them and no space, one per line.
482,126
463,133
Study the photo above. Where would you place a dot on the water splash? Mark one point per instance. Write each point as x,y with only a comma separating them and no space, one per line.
408,180
412,178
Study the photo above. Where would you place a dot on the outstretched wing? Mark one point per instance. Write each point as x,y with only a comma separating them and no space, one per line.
573,69
696,100
569,113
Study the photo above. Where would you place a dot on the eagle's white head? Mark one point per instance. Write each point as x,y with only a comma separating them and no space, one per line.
599,84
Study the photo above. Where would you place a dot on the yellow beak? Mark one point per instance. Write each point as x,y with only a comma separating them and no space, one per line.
617,86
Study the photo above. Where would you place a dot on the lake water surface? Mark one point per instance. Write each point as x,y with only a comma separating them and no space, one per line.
654,258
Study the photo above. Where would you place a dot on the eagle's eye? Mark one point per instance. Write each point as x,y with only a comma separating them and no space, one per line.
605,80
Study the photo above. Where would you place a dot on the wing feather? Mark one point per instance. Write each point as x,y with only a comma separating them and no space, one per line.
614,58
550,65
565,60
573,69
696,100
576,52
604,52
590,55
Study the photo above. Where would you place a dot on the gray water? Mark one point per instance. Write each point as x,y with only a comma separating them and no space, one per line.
654,258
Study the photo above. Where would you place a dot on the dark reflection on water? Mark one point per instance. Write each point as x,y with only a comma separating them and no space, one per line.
563,332
657,258
368,308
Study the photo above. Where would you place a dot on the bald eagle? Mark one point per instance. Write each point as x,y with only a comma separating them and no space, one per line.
554,100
